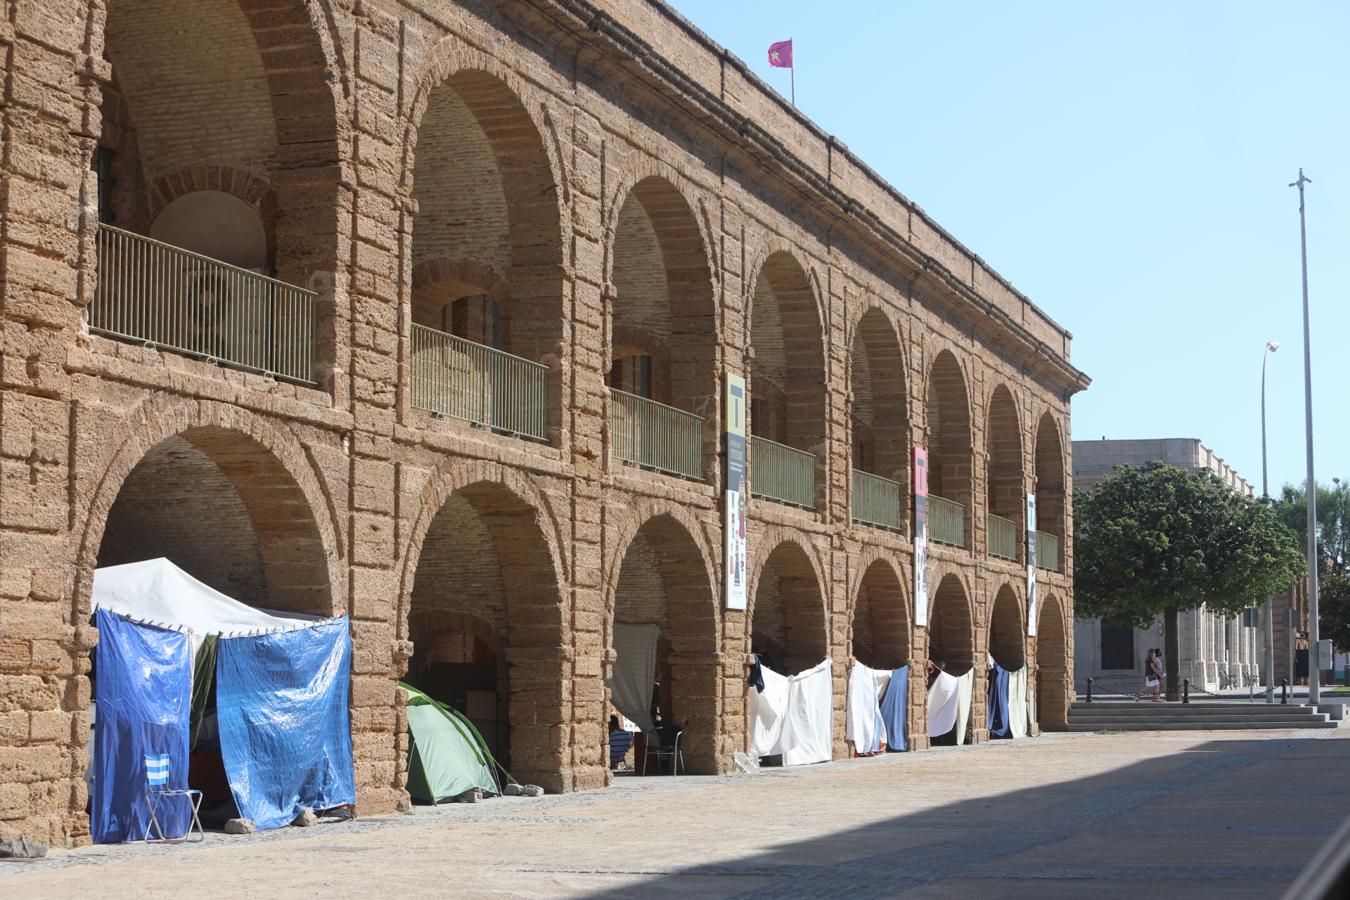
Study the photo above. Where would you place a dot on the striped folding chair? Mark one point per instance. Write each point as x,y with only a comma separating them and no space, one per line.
157,788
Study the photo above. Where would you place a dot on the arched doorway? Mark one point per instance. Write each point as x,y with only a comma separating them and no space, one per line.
949,453
1007,643
787,386
1005,482
665,609
788,627
485,620
1054,678
487,288
879,419
951,628
881,634
1050,495
663,330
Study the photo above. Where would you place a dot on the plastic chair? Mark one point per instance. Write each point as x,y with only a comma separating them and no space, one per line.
664,743
157,788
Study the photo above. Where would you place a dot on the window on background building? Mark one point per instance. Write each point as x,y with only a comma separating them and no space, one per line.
1117,646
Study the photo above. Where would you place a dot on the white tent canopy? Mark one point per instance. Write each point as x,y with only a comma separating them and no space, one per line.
156,592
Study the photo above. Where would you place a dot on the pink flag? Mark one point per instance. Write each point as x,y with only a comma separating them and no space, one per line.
780,55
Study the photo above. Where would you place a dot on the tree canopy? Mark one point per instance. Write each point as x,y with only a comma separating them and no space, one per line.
1333,523
1158,539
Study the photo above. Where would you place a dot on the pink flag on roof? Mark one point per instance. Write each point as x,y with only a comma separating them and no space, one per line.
780,55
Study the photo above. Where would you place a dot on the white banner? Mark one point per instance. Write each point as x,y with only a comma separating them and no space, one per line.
1031,565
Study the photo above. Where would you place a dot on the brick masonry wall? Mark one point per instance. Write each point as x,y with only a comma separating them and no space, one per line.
409,153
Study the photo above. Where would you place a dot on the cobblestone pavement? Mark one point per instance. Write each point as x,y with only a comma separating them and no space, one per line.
1222,814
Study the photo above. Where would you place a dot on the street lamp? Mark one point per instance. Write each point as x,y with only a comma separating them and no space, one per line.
1271,347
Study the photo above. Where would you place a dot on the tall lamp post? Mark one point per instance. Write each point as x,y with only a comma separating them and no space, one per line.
1271,347
1314,663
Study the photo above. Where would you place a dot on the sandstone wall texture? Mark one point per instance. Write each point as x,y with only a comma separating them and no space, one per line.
591,185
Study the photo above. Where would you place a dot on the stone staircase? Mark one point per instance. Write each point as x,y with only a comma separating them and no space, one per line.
1126,715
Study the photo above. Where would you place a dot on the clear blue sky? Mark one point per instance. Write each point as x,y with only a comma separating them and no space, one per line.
1126,166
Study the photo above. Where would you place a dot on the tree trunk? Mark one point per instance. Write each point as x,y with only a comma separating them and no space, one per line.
1172,653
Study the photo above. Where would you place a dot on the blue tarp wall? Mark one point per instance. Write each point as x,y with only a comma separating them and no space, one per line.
144,700
893,707
284,726
998,703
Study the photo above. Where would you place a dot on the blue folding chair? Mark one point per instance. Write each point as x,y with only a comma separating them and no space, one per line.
157,788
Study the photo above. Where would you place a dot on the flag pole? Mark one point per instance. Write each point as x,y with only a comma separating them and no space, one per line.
792,74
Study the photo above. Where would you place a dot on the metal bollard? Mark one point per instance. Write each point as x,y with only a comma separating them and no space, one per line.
1186,690
1284,690
1089,696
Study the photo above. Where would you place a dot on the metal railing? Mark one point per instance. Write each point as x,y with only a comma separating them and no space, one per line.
1047,551
876,500
455,377
654,436
163,296
1002,537
782,473
946,521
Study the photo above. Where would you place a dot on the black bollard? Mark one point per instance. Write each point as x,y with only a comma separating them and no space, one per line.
1089,696
1186,690
1284,690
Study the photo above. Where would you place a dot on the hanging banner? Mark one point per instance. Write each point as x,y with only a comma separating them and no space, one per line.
920,536
733,498
1031,565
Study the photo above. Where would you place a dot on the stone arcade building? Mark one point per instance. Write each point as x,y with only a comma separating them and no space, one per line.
446,357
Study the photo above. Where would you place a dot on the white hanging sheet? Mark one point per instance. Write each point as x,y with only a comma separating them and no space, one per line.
791,716
863,724
964,691
944,699
1018,712
635,671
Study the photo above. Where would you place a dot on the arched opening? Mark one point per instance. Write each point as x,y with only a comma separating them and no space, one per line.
949,453
1050,499
881,638
487,288
1007,645
1054,679
193,152
485,600
879,422
663,348
665,633
1004,482
788,627
951,628
787,385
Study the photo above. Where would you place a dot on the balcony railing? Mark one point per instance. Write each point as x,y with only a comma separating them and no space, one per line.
876,500
946,521
781,473
455,377
163,296
1047,551
654,436
1002,537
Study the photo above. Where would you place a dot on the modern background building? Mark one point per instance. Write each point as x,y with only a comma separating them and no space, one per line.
421,313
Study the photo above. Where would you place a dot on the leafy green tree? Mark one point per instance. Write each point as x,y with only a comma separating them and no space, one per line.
1333,601
1158,540
1333,522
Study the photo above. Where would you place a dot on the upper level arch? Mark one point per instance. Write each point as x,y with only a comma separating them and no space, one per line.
878,423
1051,498
1005,479
950,451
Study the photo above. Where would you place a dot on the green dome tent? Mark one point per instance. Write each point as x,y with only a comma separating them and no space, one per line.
447,756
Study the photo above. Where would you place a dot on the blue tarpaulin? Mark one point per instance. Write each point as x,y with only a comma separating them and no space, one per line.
143,702
893,709
998,703
285,735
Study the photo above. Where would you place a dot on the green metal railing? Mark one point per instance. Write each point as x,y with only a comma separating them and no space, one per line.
163,296
1002,537
1047,551
782,473
654,436
946,521
455,377
876,500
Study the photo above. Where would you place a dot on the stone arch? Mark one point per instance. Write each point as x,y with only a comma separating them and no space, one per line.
265,465
951,627
483,549
663,579
1054,672
1051,496
789,626
486,192
878,408
949,441
787,361
881,620
1007,629
1005,479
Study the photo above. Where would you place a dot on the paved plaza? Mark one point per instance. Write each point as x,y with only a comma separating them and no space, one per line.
1233,814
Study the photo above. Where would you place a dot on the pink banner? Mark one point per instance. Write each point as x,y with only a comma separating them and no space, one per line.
780,55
